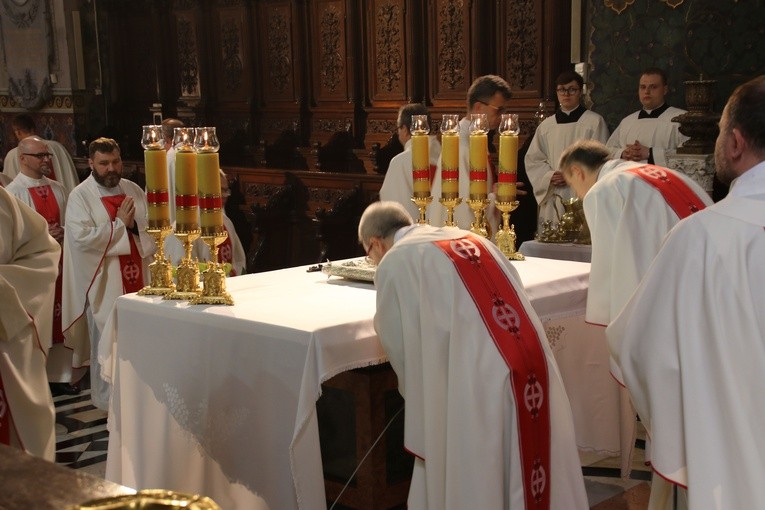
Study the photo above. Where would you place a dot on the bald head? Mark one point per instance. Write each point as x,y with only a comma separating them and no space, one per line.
34,157
378,225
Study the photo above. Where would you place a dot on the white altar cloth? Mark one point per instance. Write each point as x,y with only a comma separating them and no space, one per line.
220,400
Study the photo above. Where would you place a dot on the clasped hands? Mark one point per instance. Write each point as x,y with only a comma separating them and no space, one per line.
636,152
126,212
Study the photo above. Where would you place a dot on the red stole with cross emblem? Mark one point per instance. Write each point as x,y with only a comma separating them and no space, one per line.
226,252
519,344
46,205
676,192
130,265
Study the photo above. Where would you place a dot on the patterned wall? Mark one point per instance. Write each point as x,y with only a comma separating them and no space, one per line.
724,39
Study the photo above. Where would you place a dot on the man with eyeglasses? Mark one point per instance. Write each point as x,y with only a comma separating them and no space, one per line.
571,122
488,94
647,134
48,197
106,251
487,417
61,164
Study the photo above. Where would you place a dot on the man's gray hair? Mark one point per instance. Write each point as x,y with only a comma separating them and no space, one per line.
382,219
590,154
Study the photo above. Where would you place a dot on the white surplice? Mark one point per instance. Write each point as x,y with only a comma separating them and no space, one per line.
691,350
5,180
660,134
463,215
397,185
460,407
550,140
92,274
63,165
28,269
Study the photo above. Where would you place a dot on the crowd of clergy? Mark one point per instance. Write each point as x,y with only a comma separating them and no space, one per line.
98,236
674,279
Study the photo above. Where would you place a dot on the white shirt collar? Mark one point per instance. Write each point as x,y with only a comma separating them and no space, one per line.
403,231
751,182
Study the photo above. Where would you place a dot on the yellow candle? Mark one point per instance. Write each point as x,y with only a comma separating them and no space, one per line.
420,165
508,167
210,205
186,208
450,153
479,154
155,165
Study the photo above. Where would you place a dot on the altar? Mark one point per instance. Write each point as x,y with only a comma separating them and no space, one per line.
220,400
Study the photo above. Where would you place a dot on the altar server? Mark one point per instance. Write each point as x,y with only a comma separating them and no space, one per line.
647,134
61,163
106,250
28,268
690,340
571,122
487,416
397,185
48,197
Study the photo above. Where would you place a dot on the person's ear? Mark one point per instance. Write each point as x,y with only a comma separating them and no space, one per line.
736,144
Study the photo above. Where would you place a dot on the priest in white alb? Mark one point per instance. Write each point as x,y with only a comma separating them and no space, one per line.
28,268
691,340
649,133
397,185
487,416
571,122
106,250
629,207
48,197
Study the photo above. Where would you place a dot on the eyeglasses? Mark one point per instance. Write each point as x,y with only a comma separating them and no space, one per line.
39,155
499,109
567,92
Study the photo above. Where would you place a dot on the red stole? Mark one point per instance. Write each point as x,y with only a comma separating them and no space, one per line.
516,339
46,204
130,265
5,416
226,252
678,195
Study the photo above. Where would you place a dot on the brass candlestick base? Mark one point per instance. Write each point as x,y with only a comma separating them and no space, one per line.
505,238
214,277
422,204
450,203
478,205
187,274
161,269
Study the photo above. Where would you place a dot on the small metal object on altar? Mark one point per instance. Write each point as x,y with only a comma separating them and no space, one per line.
154,499
571,227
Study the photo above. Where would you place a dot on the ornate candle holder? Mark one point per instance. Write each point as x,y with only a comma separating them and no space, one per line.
161,270
187,273
214,277
422,203
450,203
479,226
505,238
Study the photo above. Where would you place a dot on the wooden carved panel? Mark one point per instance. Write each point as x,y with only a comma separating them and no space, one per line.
388,42
232,72
521,42
330,51
279,68
449,24
188,55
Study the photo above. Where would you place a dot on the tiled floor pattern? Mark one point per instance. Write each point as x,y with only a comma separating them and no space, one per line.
82,438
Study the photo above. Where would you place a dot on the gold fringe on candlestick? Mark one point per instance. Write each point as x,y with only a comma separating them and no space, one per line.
214,277
161,270
450,204
505,238
187,273
479,226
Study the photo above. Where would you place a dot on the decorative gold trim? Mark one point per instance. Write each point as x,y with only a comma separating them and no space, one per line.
673,3
619,5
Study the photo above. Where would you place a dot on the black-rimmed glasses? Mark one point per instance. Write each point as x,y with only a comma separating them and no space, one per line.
39,155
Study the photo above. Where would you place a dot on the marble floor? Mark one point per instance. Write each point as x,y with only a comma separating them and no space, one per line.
82,438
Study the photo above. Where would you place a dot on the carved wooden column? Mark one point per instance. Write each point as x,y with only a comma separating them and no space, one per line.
333,32
187,44
390,41
281,62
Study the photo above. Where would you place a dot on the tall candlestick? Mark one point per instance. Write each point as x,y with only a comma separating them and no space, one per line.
450,167
508,167
479,154
155,168
420,165
186,201
208,176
